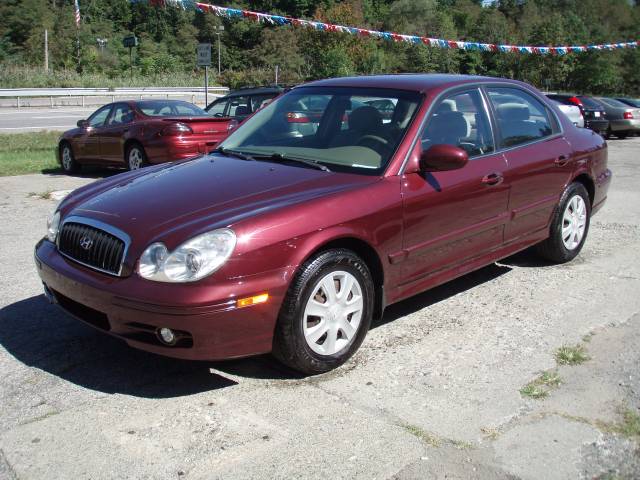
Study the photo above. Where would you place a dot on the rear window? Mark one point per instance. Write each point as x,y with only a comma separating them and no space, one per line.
590,103
169,108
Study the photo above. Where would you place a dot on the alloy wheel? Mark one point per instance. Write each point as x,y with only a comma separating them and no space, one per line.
67,161
135,159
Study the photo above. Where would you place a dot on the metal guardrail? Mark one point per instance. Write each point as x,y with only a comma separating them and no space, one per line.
37,97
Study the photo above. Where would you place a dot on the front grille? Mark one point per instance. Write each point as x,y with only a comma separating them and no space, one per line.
92,247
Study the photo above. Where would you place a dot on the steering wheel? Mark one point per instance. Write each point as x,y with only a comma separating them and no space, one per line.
374,142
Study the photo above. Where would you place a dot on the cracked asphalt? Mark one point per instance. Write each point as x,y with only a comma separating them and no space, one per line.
434,391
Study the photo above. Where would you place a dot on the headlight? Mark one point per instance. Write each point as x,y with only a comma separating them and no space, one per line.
191,261
53,223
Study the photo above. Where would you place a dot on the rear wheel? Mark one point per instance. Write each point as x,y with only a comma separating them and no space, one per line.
67,159
135,156
326,313
569,226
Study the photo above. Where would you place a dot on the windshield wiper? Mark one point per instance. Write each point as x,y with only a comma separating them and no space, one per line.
232,153
310,163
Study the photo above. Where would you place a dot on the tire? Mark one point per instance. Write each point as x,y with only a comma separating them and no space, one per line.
67,158
567,220
135,157
622,135
352,300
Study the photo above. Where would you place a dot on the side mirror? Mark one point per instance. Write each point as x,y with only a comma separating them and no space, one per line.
83,123
443,157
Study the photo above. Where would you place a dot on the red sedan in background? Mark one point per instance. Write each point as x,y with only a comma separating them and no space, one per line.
133,134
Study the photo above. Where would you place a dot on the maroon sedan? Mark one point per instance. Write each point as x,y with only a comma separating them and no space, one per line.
291,244
134,134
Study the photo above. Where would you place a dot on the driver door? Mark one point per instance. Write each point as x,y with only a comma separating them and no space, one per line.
453,216
88,143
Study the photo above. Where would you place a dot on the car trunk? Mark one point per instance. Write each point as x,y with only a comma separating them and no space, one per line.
209,126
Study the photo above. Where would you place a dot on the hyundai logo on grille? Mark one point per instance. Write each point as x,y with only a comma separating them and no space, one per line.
86,243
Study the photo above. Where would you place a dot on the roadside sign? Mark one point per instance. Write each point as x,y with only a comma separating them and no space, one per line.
130,41
203,55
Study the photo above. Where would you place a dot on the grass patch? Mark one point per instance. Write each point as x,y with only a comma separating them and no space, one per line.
568,355
46,195
630,426
541,386
22,153
423,435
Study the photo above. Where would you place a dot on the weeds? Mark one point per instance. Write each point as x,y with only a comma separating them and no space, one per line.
541,386
568,355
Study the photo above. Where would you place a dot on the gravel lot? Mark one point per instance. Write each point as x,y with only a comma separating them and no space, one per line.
433,393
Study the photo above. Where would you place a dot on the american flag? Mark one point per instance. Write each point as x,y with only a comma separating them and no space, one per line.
77,12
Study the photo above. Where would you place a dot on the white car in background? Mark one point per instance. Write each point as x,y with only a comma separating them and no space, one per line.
573,112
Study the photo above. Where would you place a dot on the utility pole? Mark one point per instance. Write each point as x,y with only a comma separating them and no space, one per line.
46,50
277,74
219,29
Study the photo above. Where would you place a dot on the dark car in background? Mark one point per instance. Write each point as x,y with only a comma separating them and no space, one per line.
594,114
294,244
241,103
133,134
632,102
623,119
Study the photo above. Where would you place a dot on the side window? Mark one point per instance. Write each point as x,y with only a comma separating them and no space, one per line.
99,117
217,108
521,117
239,106
259,101
461,120
121,114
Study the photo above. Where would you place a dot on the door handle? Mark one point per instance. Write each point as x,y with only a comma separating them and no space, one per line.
561,161
493,179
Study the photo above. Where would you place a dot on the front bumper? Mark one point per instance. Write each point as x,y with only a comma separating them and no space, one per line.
213,329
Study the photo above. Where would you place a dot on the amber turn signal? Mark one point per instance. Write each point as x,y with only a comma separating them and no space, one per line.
246,302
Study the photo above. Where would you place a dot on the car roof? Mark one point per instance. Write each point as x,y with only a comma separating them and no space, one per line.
254,91
418,82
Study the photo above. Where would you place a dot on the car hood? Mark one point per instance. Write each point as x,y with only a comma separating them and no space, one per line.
201,194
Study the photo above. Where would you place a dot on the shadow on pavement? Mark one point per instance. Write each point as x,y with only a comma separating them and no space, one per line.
438,294
43,336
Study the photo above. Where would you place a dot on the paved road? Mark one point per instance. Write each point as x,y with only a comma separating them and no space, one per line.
13,120
433,392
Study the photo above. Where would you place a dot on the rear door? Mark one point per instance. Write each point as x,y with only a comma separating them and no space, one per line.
538,155
455,215
113,132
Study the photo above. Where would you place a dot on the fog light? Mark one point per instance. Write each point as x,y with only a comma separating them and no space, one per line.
167,336
246,302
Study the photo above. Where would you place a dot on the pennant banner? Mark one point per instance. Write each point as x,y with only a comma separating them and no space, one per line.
233,13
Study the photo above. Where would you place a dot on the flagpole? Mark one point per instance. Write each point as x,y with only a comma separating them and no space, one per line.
77,18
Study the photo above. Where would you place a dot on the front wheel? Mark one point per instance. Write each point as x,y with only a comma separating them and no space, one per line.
326,313
569,225
67,159
136,158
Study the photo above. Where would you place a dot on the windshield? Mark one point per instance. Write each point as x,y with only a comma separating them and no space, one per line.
347,129
170,108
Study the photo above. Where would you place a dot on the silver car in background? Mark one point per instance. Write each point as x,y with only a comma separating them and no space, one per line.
624,120
572,112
